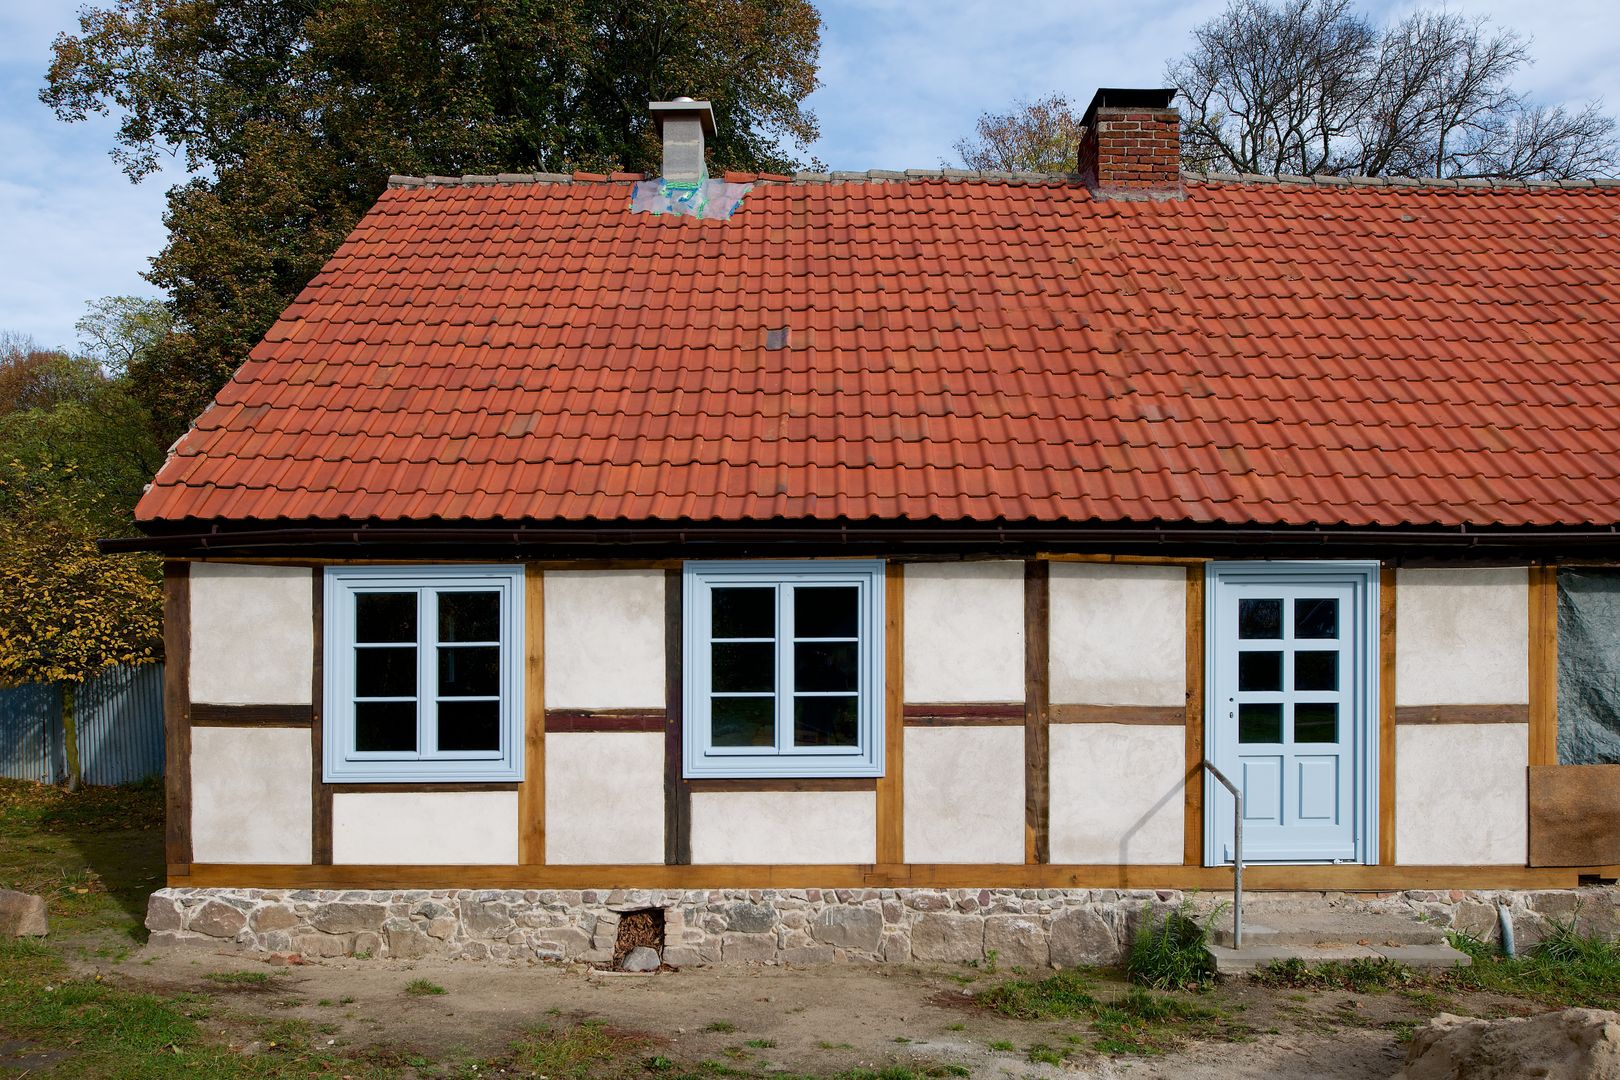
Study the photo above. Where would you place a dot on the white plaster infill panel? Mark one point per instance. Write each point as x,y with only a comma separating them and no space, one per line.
964,797
1117,793
604,798
604,639
250,795
1118,634
1462,636
252,634
798,827
1460,794
964,638
435,828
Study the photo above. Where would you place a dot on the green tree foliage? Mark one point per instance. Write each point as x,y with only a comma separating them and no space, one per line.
1033,136
290,114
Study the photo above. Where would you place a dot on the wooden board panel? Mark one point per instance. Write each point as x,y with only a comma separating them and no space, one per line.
320,790
206,715
963,714
785,783
915,876
1167,715
1543,665
891,787
561,721
1192,849
1386,715
677,791
176,712
1574,815
1129,560
423,788
532,791
1462,714
1037,712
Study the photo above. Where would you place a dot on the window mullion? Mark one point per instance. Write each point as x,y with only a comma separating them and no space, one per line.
784,668
427,672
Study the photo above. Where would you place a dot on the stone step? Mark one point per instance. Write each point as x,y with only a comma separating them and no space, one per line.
1328,927
1239,961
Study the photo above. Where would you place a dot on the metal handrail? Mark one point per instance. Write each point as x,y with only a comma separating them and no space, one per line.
1237,852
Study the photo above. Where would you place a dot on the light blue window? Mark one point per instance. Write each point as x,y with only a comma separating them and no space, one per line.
783,669
423,674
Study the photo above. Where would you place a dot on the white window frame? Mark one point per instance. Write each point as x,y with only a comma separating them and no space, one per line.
341,762
701,759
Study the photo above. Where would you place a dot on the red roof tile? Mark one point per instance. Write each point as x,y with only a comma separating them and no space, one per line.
959,350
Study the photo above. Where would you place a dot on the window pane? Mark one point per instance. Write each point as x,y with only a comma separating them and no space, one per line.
1260,671
469,725
385,726
1316,670
1316,723
743,612
1260,618
474,671
1316,618
1259,723
469,616
824,721
748,668
743,721
826,666
385,672
385,616
829,612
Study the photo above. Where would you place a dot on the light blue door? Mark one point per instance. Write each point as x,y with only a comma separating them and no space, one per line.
1291,709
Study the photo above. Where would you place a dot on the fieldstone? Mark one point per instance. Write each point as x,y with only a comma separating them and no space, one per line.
218,920
342,917
1476,919
272,917
1081,937
859,928
897,949
488,919
743,948
23,914
475,950
405,941
442,927
367,943
320,945
949,938
1018,941
161,914
1575,1044
570,939
809,954
640,958
1560,905
748,918
688,955
925,901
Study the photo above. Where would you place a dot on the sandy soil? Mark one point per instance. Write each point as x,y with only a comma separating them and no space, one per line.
821,1020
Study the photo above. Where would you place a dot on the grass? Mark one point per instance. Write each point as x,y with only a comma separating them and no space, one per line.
240,978
1135,1022
720,1027
1171,952
586,1051
1565,969
423,988
1364,975
761,1044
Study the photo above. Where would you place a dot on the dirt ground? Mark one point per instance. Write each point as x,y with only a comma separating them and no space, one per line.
807,1021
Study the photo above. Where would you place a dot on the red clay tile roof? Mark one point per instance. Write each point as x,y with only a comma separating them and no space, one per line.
937,349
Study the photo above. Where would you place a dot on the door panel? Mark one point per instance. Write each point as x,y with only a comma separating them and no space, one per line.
1289,707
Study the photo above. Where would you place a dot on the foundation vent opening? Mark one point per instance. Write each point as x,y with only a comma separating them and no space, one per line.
638,929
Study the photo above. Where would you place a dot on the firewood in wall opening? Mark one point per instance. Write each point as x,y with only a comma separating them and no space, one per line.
638,929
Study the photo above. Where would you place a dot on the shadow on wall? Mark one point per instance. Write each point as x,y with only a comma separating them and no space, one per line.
1175,795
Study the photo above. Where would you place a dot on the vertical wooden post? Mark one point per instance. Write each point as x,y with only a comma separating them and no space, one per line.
1386,714
532,790
677,791
320,790
891,822
177,717
1192,829
1544,665
1037,710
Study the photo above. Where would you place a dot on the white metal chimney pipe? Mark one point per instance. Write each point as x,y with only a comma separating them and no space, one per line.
683,125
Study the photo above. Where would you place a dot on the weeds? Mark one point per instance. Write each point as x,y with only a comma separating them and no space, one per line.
1171,952
423,988
720,1027
1566,968
587,1051
1136,1022
1364,975
239,978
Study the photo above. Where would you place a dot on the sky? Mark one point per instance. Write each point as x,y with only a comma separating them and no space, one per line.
901,81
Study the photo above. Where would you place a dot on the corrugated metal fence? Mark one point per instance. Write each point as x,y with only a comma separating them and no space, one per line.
120,715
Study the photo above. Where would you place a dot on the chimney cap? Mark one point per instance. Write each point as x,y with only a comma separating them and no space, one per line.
1115,97
682,107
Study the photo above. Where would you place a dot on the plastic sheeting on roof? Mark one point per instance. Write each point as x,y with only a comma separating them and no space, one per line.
1588,667
711,200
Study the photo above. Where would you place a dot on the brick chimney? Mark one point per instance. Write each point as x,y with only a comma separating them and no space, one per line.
682,126
1131,146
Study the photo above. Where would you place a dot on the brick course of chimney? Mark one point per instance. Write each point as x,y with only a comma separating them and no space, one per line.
1133,152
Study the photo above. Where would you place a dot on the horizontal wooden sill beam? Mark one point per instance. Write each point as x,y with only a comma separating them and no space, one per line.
206,715
896,876
1462,714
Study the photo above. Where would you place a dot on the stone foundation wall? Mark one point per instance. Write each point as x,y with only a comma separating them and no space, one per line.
1030,928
